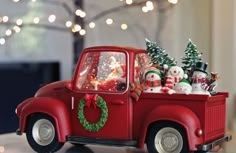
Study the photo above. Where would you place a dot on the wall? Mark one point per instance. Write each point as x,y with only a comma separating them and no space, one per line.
170,29
37,44
139,25
223,51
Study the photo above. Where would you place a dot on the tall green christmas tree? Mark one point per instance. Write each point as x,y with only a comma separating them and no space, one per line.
192,56
158,55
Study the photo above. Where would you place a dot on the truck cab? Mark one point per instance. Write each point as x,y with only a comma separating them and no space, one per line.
96,106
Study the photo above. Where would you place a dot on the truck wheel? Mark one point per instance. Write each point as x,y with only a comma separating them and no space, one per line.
167,138
41,134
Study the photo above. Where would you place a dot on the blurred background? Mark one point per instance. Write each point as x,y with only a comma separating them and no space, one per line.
41,40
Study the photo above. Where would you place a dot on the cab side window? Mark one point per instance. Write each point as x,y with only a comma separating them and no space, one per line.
141,63
103,71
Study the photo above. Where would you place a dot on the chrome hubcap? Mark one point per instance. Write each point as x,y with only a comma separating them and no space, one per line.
168,140
43,132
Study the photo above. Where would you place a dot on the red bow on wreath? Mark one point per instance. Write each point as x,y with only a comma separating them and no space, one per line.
91,100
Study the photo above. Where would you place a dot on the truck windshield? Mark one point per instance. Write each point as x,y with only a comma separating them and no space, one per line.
104,71
142,61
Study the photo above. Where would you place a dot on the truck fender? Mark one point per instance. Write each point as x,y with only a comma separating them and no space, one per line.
50,106
178,114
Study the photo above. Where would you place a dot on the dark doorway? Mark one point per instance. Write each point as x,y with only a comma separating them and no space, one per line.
20,81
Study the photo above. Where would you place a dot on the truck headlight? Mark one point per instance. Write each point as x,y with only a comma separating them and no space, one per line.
16,111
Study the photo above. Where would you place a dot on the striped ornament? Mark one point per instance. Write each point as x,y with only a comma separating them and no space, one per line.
136,90
168,85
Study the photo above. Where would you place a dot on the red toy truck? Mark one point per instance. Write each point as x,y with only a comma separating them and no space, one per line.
96,107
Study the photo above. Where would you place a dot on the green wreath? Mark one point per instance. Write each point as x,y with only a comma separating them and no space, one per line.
93,127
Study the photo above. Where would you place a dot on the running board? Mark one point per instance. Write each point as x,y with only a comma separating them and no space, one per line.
101,141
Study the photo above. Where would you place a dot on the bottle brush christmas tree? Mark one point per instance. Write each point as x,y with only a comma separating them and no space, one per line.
158,55
192,56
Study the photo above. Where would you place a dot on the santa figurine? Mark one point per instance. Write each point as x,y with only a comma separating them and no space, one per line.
117,70
199,81
183,86
116,79
153,80
174,75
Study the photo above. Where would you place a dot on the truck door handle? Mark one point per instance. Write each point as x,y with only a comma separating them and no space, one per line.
117,102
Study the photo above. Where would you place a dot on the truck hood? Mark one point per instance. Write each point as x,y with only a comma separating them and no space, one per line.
52,89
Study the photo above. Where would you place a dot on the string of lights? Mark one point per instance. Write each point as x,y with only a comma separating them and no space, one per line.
69,25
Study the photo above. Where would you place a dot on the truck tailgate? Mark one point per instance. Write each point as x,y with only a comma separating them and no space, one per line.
214,115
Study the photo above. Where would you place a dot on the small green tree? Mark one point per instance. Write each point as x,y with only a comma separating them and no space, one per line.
192,56
158,55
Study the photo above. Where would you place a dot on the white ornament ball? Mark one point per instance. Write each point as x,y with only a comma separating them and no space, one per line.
165,66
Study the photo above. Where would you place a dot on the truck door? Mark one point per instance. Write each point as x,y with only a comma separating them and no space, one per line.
100,96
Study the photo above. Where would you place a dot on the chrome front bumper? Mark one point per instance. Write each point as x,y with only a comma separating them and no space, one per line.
210,146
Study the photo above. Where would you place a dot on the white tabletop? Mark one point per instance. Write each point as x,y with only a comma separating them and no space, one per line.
13,143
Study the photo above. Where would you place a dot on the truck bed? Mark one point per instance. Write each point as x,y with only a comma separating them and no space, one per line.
211,110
